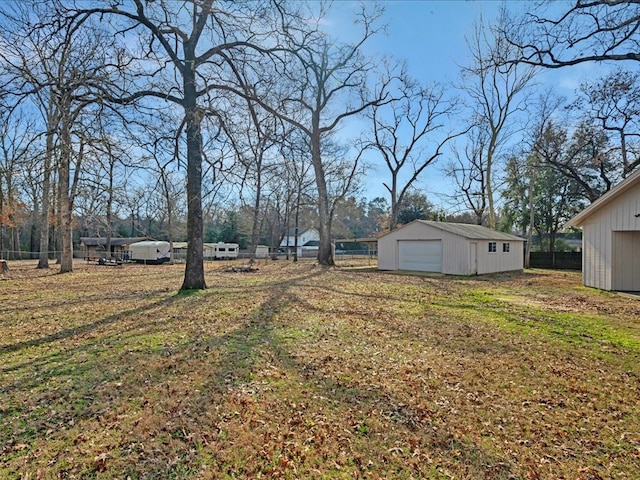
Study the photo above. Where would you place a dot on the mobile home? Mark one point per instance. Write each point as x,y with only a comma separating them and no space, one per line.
221,251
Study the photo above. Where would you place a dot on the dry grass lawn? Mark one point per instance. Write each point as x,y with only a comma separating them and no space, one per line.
301,372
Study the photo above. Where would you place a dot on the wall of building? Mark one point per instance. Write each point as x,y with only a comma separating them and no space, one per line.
598,241
456,251
500,261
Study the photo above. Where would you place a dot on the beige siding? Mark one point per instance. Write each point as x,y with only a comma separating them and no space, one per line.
456,251
387,252
455,255
620,214
499,261
598,243
626,261
454,258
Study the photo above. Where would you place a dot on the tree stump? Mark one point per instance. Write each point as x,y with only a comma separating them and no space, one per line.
4,266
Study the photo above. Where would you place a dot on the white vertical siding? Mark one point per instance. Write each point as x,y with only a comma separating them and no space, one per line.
597,254
473,258
455,254
387,252
600,269
499,261
456,251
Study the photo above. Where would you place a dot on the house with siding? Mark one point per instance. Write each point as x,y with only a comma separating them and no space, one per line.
450,248
308,242
611,238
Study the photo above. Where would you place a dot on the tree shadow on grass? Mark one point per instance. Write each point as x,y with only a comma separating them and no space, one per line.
88,327
76,368
243,350
180,392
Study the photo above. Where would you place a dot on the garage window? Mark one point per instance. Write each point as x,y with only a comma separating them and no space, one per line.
492,247
506,247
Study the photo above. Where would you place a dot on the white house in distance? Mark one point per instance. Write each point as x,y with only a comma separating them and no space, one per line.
611,238
450,248
308,241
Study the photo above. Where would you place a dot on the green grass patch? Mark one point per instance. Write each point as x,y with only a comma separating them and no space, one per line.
301,372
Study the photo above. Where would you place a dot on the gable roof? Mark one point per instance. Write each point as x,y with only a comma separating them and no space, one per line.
292,231
627,184
467,230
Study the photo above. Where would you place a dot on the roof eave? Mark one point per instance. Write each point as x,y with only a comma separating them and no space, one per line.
611,195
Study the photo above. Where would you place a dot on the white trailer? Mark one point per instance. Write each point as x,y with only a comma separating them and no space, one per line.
221,250
152,252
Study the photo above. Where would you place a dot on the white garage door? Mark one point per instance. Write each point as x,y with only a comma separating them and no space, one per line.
420,255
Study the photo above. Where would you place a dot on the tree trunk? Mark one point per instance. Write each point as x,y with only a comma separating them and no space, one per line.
395,204
532,218
623,149
256,216
297,226
194,269
325,252
15,241
66,246
490,204
43,256
64,184
165,182
33,237
109,213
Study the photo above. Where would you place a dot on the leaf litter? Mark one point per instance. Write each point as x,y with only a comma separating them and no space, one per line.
298,371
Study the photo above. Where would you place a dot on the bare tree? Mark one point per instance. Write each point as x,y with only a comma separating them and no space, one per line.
17,138
613,102
255,141
497,92
186,52
107,165
325,84
27,55
468,170
63,68
584,31
296,185
160,149
408,132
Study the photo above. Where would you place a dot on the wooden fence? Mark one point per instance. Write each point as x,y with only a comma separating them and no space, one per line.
557,260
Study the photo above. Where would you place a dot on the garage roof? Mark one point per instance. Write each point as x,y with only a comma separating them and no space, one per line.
475,232
624,186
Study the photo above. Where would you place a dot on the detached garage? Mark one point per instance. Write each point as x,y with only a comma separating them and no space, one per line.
611,238
450,248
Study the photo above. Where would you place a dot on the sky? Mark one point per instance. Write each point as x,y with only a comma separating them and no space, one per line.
430,36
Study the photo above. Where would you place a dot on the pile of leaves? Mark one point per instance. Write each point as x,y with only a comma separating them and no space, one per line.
298,371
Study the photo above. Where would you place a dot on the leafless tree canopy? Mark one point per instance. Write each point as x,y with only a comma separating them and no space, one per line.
583,31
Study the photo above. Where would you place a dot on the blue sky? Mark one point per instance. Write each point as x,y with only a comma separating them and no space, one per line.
430,36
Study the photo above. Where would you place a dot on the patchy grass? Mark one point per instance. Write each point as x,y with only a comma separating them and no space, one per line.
301,372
